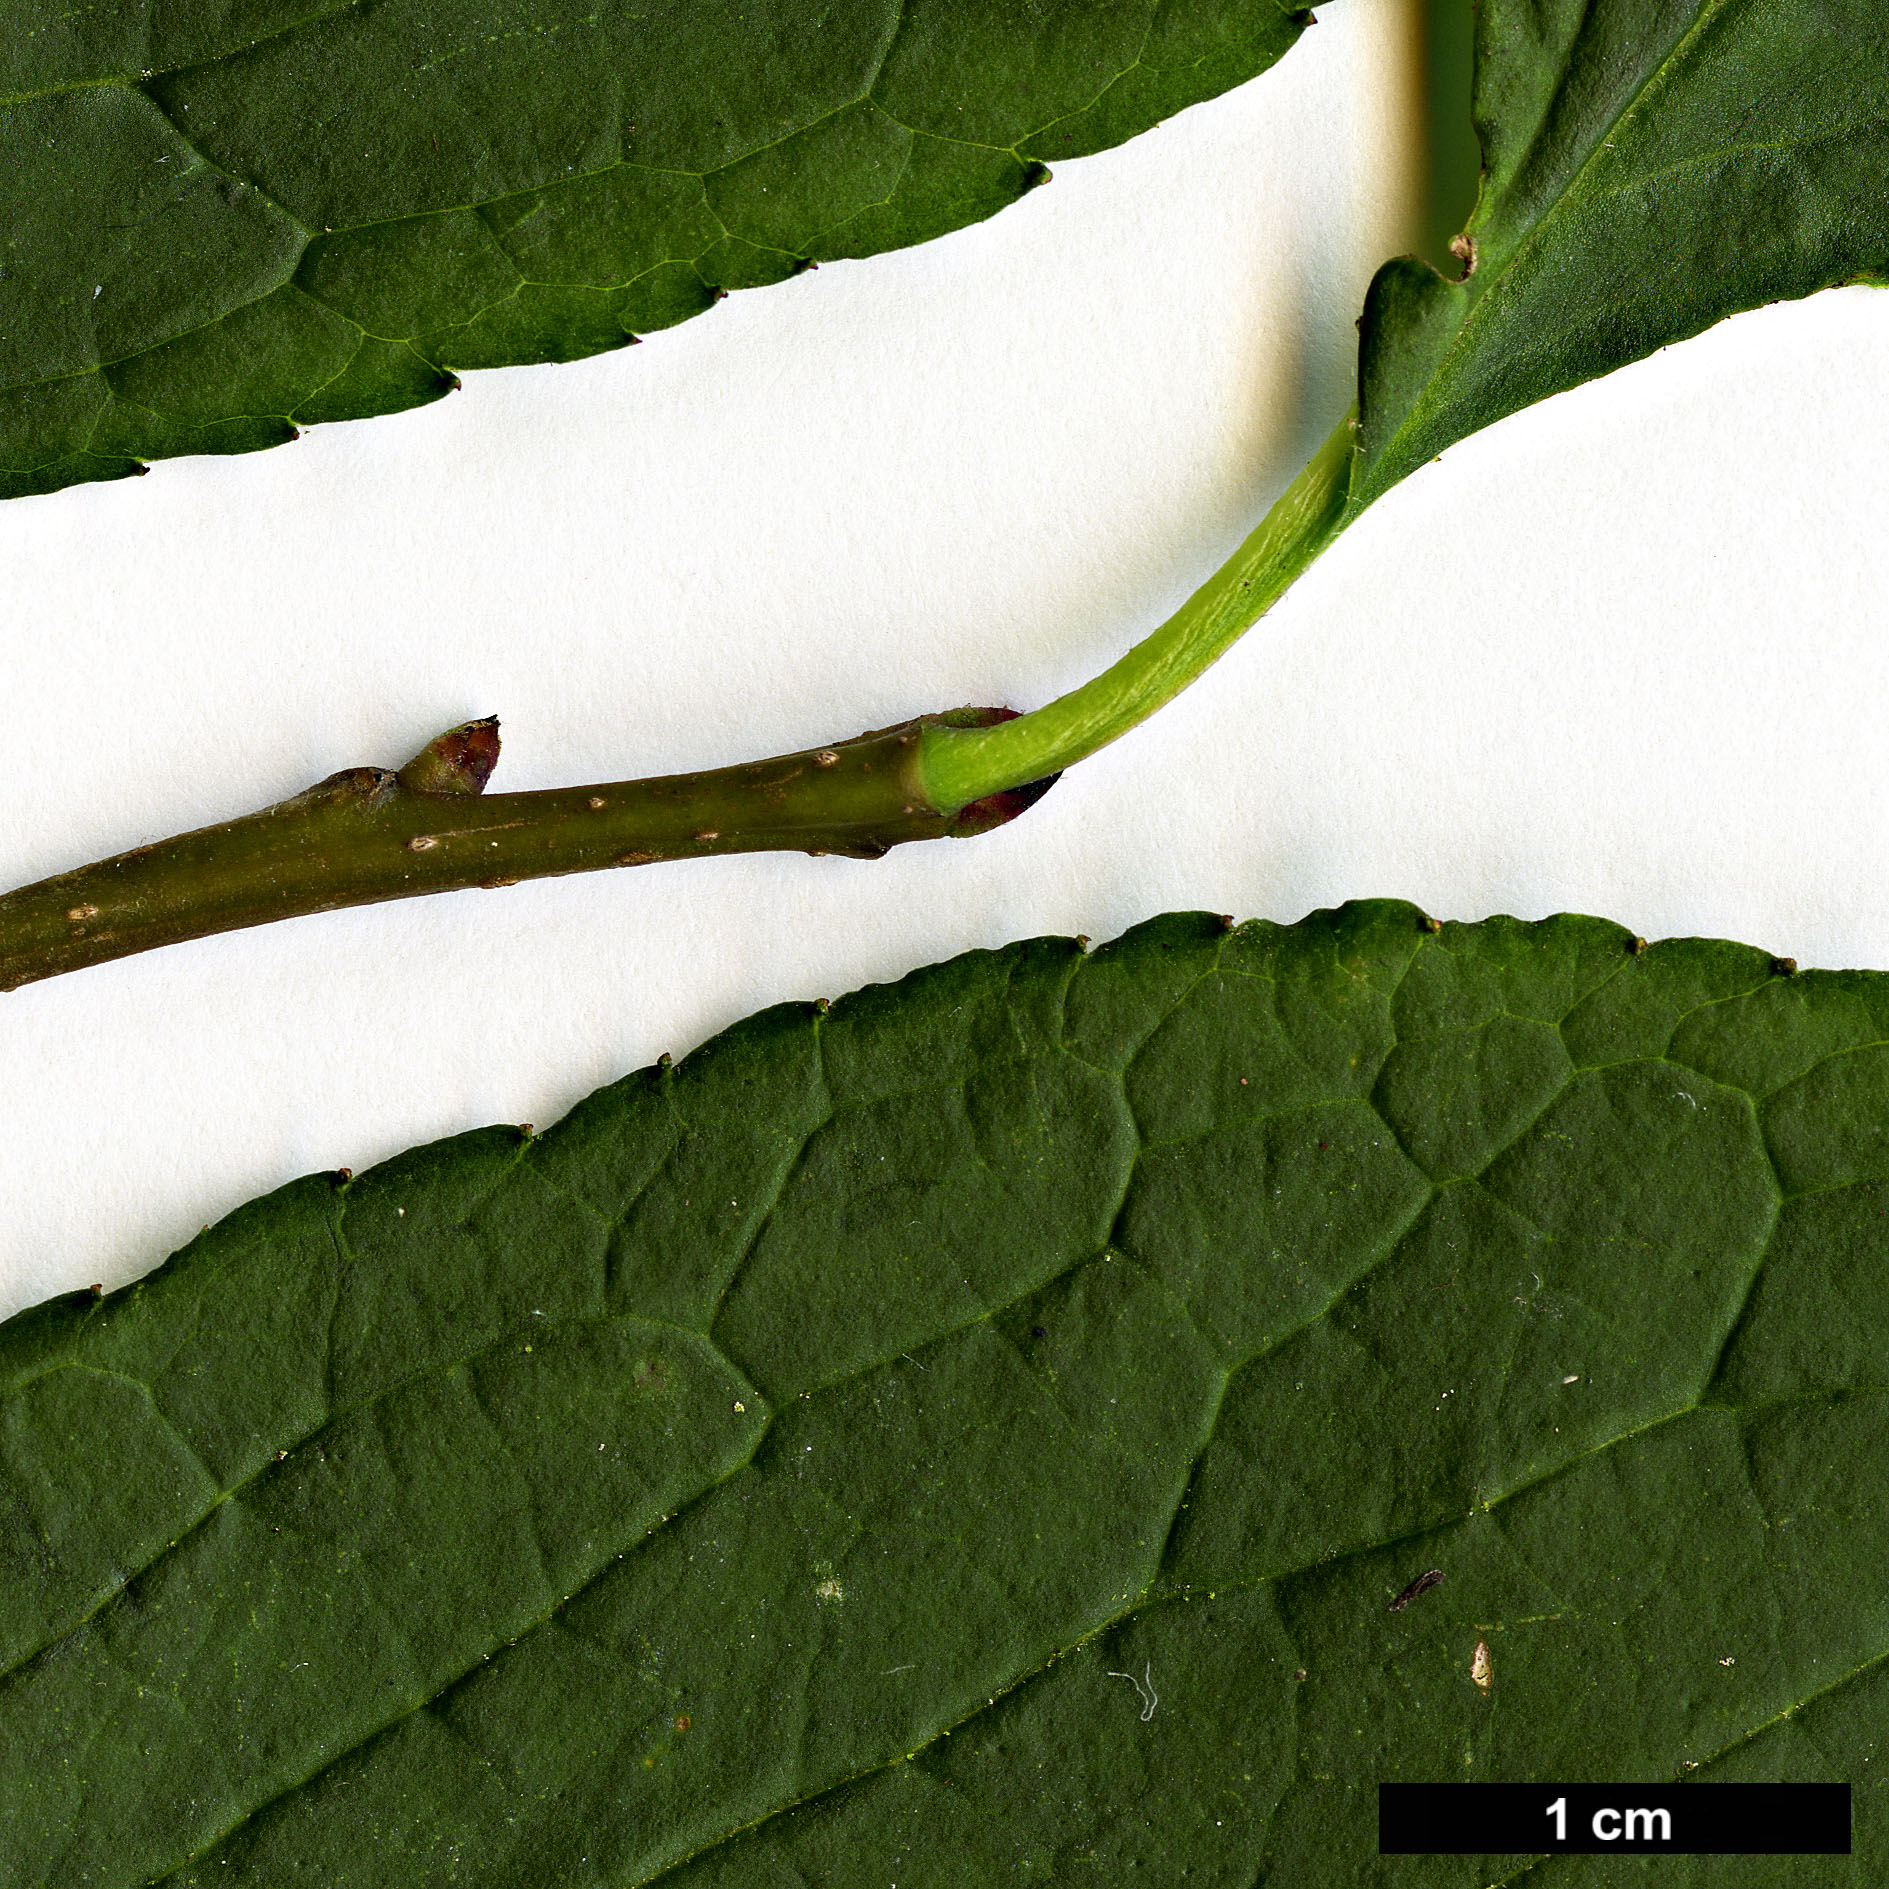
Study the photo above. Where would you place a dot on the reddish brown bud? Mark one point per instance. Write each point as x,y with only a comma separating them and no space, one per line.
458,762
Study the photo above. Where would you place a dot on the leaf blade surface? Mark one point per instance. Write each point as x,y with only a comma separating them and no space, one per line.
982,1427
1648,170
231,222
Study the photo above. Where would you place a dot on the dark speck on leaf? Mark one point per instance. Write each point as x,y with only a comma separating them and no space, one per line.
1421,1584
1039,1331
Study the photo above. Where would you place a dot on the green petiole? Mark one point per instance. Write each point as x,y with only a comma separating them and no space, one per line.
959,765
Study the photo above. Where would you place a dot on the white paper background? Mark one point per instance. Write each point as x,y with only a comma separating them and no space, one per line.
1622,654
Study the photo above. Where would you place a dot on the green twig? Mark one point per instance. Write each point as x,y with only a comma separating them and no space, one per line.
371,833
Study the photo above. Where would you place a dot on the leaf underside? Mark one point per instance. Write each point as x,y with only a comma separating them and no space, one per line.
219,222
1650,167
975,1434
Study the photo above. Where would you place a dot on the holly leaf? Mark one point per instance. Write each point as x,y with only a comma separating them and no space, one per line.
1649,168
219,224
1000,1427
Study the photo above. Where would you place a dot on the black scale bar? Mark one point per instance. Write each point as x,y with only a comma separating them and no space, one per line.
1613,1819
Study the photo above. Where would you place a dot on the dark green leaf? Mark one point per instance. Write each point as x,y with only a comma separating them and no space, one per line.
219,221
976,1434
1650,167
